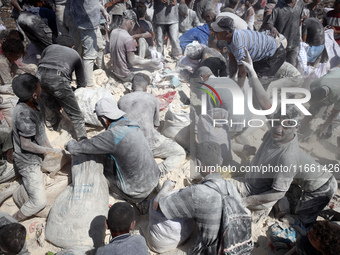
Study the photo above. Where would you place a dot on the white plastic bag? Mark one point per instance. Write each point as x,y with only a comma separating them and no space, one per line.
87,99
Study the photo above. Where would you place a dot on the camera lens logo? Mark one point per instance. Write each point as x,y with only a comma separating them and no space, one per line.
209,93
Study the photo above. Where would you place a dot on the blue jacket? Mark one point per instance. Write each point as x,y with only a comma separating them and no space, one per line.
200,34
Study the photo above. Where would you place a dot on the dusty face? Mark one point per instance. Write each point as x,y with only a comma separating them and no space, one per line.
283,131
225,35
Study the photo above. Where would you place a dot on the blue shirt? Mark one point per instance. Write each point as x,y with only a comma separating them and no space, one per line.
200,34
259,45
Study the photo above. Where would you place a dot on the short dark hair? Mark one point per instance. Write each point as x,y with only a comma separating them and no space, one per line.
141,10
221,44
24,85
209,153
233,2
120,217
13,46
15,34
65,40
12,237
140,80
327,234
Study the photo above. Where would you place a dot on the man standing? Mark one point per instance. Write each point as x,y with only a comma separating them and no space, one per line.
286,19
55,73
165,20
86,16
133,170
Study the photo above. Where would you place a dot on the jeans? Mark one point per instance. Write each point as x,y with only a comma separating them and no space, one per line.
34,186
172,29
58,93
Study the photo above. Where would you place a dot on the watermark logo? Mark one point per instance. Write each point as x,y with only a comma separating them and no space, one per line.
208,92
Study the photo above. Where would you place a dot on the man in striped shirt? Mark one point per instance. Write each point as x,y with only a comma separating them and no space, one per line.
266,53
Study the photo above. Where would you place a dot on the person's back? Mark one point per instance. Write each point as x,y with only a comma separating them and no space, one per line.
215,61
125,244
143,108
66,60
121,42
199,33
314,30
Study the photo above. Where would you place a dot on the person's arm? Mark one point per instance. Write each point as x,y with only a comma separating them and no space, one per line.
241,75
134,60
143,35
196,22
254,82
16,5
168,185
28,145
105,14
250,13
263,198
271,22
323,128
304,38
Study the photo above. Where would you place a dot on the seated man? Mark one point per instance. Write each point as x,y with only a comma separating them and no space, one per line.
132,166
123,47
12,236
120,221
313,34
187,18
143,108
204,204
280,147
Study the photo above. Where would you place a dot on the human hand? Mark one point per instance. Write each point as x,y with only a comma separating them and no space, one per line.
248,62
274,33
107,18
69,144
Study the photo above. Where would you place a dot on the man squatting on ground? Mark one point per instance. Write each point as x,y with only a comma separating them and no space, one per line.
30,143
280,147
131,164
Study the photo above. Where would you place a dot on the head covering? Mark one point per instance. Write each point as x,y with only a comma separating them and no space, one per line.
129,14
223,24
108,108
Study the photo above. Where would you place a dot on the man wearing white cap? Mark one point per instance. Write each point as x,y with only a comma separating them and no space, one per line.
133,172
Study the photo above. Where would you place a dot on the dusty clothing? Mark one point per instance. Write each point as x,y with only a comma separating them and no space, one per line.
286,20
239,23
200,7
85,13
215,61
204,205
314,31
200,34
34,185
55,74
164,14
6,68
6,169
125,244
188,22
5,219
37,31
66,60
145,26
135,172
28,123
121,42
331,81
251,19
143,108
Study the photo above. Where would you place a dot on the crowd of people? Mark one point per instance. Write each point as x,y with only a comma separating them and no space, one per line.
228,45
